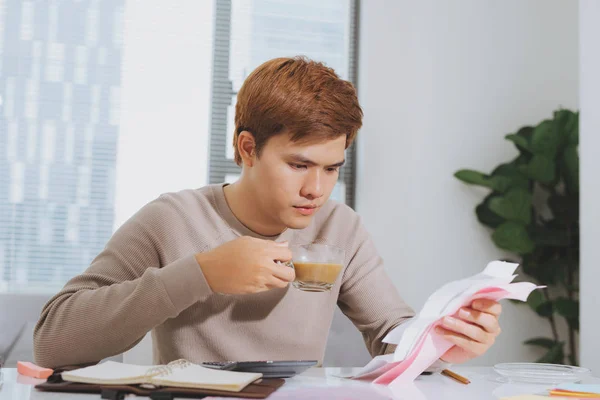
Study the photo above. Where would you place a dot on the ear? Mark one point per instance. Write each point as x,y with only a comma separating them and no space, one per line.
247,148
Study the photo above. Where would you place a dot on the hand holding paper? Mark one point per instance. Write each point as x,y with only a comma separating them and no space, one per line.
420,342
473,330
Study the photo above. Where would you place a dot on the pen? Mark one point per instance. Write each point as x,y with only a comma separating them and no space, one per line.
456,376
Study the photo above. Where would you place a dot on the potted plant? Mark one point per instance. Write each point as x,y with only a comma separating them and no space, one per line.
533,210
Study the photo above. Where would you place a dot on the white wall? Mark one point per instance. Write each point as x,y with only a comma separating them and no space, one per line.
589,129
441,83
165,106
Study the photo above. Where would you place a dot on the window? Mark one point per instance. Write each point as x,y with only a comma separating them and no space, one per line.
57,138
88,134
249,32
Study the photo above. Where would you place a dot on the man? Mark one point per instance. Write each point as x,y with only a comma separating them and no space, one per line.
201,268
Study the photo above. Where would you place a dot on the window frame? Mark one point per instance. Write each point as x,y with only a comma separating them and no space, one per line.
219,166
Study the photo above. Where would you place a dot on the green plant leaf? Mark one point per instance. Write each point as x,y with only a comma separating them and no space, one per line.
535,299
499,182
541,168
568,308
519,141
571,168
513,236
545,309
555,355
487,216
473,177
506,176
563,124
545,139
521,159
522,139
572,129
506,169
546,343
515,205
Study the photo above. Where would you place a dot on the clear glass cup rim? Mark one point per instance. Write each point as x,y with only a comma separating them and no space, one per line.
322,245
334,253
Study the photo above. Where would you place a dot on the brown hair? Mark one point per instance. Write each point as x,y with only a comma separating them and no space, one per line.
299,96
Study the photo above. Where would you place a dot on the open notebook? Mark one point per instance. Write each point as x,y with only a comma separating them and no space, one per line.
180,373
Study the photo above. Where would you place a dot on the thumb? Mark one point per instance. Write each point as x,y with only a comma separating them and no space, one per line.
282,244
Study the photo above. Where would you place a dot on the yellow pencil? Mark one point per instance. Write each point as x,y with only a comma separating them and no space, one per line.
579,395
456,376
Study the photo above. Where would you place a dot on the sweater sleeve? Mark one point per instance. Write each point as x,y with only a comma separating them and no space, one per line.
367,296
371,301
122,295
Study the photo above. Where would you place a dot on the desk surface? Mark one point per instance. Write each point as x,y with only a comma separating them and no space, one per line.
324,383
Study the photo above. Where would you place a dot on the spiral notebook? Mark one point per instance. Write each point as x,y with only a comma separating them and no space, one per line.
180,373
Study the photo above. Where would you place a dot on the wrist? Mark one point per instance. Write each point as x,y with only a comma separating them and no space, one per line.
204,264
213,276
201,260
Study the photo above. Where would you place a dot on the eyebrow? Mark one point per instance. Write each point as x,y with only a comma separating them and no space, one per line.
303,160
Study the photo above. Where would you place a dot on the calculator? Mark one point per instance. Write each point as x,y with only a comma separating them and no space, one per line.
269,369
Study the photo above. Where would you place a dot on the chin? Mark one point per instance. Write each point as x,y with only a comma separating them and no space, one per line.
298,223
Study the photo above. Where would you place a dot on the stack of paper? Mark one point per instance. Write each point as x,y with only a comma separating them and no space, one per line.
418,345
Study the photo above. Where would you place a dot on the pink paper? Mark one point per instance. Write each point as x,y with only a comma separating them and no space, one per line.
424,355
431,345
378,372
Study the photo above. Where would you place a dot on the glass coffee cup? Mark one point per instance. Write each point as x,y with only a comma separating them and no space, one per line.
317,266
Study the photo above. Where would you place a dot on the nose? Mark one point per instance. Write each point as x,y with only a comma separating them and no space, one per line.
313,185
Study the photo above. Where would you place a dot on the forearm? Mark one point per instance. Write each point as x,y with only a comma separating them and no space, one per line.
90,320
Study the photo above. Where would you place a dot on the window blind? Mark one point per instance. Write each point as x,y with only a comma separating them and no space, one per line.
59,122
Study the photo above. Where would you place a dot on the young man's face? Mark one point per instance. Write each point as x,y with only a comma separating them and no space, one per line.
292,180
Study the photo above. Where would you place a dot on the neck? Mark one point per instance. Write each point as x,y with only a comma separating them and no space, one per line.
243,203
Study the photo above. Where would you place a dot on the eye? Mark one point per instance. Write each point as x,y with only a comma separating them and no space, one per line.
297,166
333,169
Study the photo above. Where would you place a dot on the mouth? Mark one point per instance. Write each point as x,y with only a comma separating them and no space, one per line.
309,209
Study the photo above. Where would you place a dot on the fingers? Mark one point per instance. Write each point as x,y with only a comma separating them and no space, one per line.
487,306
487,321
278,251
283,272
276,283
470,331
476,328
267,283
465,343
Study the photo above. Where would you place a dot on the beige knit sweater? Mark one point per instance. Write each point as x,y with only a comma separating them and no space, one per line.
147,279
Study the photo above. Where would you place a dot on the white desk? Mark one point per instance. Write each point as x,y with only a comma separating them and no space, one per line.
322,383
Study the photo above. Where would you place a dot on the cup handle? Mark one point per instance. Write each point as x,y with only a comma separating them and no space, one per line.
289,264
